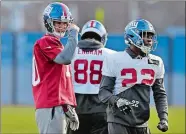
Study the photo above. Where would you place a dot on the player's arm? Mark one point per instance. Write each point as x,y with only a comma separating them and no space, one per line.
106,88
67,54
107,82
106,95
160,98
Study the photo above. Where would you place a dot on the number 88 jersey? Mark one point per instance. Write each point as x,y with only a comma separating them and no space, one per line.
87,69
129,72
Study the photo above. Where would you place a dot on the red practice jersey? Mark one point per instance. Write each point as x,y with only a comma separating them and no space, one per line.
51,82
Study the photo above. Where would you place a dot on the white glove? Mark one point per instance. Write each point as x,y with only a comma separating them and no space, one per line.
123,105
72,118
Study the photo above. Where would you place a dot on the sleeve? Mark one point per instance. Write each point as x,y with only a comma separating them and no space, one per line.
67,54
107,82
106,88
50,48
160,96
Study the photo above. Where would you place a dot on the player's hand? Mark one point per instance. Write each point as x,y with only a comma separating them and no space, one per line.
163,125
73,26
72,117
123,105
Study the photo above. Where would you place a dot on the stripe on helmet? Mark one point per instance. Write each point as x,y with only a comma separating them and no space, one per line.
92,24
64,9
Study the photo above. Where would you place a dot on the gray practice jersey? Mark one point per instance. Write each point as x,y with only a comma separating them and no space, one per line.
86,75
131,78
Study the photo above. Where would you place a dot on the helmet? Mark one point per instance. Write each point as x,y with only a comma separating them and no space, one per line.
134,33
94,27
55,11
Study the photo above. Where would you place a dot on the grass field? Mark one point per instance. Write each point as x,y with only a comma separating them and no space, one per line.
22,120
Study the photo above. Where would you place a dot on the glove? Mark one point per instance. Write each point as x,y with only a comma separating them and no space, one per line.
72,117
73,26
73,31
163,125
123,105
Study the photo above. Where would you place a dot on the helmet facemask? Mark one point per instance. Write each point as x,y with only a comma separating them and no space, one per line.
144,40
149,42
142,35
56,26
60,27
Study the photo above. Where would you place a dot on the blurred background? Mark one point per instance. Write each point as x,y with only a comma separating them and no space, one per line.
22,25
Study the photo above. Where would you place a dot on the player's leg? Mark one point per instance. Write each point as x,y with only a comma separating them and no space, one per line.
51,120
84,125
115,128
99,123
140,130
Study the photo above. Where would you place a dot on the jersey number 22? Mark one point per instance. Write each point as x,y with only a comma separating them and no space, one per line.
134,77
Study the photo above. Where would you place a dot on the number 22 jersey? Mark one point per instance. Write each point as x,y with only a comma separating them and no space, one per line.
131,71
134,77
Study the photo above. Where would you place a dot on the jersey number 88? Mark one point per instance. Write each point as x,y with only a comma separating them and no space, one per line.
84,71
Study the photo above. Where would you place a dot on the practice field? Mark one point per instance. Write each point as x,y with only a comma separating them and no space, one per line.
22,120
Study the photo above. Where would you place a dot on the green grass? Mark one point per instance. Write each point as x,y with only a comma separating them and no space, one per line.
176,121
22,120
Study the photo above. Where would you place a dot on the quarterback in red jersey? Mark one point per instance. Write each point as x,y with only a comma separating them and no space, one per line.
51,75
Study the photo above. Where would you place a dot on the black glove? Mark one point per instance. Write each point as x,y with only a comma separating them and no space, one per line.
163,125
123,105
72,117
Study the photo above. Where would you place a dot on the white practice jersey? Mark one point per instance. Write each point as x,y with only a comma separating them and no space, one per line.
86,70
129,72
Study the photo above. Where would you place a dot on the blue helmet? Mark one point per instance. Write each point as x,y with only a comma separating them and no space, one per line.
94,26
134,32
55,11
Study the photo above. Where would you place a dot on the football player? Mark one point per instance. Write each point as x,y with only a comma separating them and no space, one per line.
128,77
53,91
86,72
